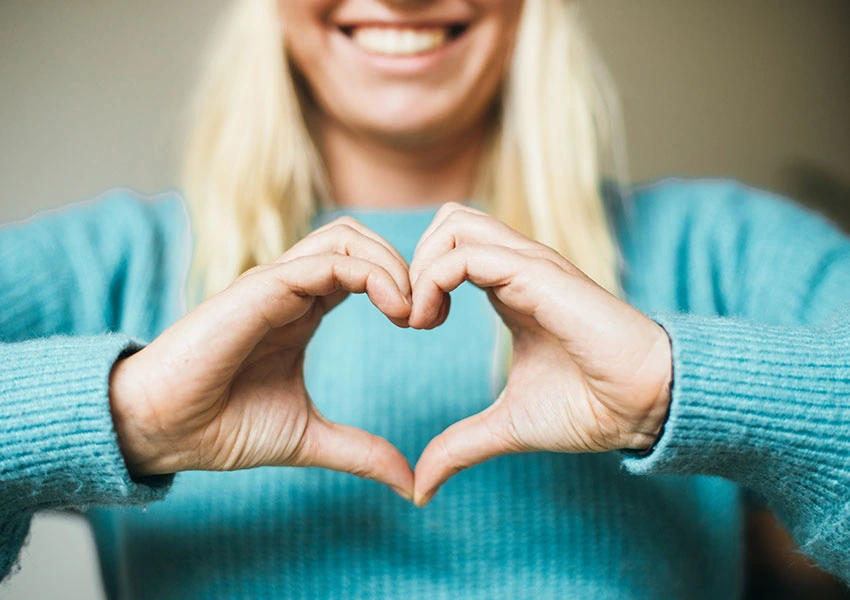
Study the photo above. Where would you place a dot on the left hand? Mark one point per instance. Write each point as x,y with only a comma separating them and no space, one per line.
589,373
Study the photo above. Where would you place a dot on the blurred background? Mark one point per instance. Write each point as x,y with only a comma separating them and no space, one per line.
92,93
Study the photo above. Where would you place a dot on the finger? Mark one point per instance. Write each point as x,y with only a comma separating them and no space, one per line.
442,313
441,215
347,236
464,444
450,209
463,225
517,279
277,294
352,450
360,227
270,296
322,275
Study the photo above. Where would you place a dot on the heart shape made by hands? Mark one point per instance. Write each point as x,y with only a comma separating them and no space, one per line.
588,372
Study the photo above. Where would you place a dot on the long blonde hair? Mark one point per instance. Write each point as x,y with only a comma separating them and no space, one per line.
254,179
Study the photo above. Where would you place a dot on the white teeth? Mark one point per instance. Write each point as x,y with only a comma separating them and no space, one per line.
393,41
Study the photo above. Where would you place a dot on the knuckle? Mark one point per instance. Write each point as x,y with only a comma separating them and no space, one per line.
344,229
250,273
300,450
456,216
367,469
509,436
553,271
451,462
344,237
465,252
346,221
341,235
448,209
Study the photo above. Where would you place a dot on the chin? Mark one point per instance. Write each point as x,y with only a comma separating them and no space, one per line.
417,120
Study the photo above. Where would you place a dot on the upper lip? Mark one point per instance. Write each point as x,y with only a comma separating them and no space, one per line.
417,24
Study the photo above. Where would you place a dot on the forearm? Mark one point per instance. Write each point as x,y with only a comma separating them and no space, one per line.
768,407
57,441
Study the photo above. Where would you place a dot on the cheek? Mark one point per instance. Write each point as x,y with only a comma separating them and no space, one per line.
506,13
304,23
494,51
488,65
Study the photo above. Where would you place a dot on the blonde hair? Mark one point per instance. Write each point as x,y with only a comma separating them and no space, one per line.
254,179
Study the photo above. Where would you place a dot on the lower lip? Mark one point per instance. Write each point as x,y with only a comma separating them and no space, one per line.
414,64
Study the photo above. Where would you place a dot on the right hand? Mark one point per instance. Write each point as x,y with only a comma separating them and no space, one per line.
223,388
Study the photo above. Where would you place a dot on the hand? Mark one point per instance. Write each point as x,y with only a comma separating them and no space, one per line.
223,388
589,373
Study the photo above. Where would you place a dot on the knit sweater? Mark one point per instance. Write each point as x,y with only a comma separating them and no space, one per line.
749,287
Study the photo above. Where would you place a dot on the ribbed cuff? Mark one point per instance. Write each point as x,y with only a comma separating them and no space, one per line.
58,447
765,406
13,533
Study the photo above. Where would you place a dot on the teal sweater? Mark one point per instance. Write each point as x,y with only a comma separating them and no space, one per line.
749,287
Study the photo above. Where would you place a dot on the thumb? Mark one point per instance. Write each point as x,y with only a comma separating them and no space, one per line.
464,444
343,448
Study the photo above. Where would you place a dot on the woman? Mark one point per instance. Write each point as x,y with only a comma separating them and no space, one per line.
412,147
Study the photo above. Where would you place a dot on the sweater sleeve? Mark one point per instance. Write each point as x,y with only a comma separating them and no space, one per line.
58,448
761,393
80,288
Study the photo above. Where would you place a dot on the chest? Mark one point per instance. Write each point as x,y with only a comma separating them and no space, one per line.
404,384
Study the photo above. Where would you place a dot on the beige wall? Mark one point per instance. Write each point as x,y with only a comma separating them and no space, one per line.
754,89
89,94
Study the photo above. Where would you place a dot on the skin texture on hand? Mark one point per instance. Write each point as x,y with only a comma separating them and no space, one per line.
589,373
223,388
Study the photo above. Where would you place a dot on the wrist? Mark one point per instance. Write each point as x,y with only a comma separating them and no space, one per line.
649,426
132,419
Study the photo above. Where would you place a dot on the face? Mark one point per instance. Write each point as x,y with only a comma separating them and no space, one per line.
406,71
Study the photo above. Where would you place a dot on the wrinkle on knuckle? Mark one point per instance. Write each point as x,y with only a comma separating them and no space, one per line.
300,447
451,464
367,469
250,273
446,209
456,217
505,433
346,221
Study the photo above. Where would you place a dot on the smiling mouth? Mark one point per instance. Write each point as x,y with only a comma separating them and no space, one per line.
399,40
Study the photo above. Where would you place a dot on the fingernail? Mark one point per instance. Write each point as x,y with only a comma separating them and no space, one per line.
402,493
421,500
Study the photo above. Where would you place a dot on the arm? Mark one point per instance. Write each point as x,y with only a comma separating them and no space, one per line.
57,443
102,266
768,407
79,415
761,395
765,404
114,263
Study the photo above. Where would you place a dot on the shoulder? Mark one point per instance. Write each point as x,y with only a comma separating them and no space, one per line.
720,205
114,262
725,243
116,214
682,212
163,213
154,235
